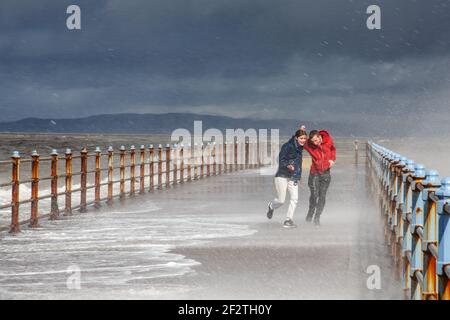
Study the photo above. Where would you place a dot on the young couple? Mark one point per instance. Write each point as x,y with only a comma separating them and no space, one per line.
320,146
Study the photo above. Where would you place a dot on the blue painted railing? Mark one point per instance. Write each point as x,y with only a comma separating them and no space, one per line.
416,206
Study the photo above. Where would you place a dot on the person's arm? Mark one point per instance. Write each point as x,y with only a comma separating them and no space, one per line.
333,152
332,148
284,157
329,143
332,161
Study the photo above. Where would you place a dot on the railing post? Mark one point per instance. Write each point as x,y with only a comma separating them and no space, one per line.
385,200
196,161
392,203
168,166
110,175
68,183
255,154
225,169
15,185
189,162
250,154
34,219
132,170
151,170
386,187
175,165
181,163
217,157
242,153
247,155
430,184
383,186
258,152
83,179
397,222
208,159
122,172
54,211
408,171
160,167
202,162
356,157
229,156
235,158
142,170
380,168
417,222
214,158
251,161
222,164
443,262
98,154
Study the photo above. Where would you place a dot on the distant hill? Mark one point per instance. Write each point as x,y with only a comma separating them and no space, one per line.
129,123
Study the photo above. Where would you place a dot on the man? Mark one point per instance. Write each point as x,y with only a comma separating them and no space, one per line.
287,177
321,147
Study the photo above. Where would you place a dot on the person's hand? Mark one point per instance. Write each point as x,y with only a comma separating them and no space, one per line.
303,127
290,167
332,163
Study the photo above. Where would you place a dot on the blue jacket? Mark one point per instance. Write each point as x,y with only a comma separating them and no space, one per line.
291,153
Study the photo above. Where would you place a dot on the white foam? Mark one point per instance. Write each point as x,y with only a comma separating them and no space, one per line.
111,249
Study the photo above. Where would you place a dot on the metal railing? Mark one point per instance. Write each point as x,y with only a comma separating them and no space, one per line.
104,177
415,204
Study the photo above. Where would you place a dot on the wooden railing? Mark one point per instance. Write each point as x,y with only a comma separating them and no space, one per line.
104,177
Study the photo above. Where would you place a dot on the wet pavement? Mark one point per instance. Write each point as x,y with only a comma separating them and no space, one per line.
208,239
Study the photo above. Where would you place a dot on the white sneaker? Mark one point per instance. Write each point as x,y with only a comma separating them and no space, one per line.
270,210
289,224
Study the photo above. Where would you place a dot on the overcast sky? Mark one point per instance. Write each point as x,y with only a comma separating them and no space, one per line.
310,60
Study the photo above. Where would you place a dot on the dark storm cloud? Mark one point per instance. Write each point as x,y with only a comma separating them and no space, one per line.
259,58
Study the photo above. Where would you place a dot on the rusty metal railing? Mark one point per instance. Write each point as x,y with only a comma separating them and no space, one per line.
104,176
415,204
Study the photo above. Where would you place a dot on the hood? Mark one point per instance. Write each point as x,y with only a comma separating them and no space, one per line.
326,138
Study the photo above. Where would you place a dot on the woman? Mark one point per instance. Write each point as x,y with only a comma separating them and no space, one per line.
287,177
323,153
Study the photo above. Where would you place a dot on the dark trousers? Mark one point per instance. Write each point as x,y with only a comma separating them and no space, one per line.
318,185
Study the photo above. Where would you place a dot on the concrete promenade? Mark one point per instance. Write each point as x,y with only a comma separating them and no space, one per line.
208,241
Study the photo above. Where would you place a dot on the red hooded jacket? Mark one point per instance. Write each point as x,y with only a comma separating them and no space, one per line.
321,154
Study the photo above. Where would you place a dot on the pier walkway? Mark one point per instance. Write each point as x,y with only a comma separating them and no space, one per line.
211,241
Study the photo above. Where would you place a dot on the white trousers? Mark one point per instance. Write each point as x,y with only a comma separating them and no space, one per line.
281,186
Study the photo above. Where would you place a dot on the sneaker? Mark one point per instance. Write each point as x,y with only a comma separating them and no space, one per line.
317,222
289,224
270,211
